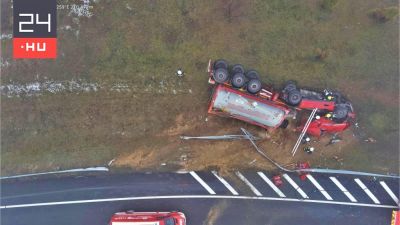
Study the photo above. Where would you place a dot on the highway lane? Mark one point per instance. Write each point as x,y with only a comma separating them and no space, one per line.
197,200
234,212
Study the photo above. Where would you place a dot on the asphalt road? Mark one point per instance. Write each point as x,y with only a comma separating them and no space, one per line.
205,198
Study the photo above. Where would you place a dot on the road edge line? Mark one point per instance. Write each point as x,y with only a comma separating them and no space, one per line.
195,197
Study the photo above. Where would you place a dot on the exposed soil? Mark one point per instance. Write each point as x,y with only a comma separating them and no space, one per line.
226,155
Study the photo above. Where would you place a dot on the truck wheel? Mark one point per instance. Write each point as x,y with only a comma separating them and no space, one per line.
340,113
294,97
254,86
221,75
220,63
238,80
284,124
252,74
289,86
237,68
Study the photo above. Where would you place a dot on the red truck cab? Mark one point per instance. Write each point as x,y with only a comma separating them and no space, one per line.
323,125
148,218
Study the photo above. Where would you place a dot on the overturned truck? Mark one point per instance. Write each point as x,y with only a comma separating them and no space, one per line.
240,94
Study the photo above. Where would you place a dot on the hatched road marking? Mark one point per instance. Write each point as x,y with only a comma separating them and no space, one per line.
343,189
367,191
390,192
272,185
319,187
247,182
201,181
225,183
298,189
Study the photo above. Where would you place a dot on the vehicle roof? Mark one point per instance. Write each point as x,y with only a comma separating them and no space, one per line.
140,218
135,223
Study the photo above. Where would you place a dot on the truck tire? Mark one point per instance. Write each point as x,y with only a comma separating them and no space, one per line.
237,68
252,74
284,124
238,80
340,113
338,98
294,97
220,63
221,75
254,86
289,86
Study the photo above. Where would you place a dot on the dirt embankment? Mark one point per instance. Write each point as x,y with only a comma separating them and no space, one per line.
177,154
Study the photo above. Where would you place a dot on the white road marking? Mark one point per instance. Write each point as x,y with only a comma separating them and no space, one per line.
319,187
295,186
254,189
390,192
201,181
89,169
367,191
225,183
272,185
343,189
193,197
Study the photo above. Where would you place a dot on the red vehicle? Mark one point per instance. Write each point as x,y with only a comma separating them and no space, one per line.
323,125
234,85
148,218
395,217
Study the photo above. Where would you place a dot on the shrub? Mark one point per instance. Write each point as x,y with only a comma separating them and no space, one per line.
383,15
321,54
328,5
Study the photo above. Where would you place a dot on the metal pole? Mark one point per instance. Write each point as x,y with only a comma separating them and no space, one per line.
262,153
222,137
303,132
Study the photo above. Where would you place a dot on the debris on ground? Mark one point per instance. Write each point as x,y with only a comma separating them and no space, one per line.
302,166
335,157
277,180
183,157
335,139
370,140
111,162
254,160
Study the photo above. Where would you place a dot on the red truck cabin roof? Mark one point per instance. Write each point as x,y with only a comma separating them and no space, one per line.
148,218
233,103
318,127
